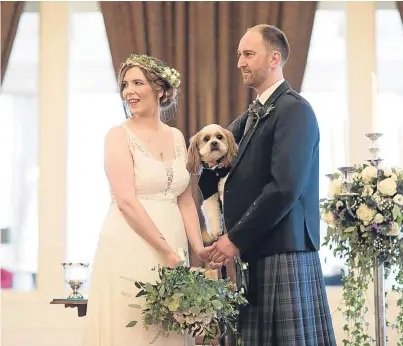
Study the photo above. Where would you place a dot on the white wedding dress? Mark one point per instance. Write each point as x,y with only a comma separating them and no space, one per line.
123,256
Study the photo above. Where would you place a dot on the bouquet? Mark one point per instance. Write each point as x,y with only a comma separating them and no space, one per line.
364,213
368,219
187,301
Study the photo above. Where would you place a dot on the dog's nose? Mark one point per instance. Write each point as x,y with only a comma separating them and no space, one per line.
214,143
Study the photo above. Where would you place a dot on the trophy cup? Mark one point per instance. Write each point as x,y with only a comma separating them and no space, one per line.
75,275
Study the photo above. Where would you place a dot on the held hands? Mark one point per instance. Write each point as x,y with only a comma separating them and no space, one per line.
218,254
223,250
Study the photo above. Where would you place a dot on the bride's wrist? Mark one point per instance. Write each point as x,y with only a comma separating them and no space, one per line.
198,249
168,251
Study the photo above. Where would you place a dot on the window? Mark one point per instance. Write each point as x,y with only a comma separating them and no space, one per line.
94,107
325,87
389,55
389,116
19,159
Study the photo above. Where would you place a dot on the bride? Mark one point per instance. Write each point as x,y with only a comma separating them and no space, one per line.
152,213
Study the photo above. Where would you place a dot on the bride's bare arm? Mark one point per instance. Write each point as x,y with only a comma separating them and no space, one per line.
190,218
120,173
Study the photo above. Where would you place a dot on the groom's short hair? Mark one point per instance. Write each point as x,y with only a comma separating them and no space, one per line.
275,39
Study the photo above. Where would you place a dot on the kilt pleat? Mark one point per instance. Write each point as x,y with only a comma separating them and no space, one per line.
289,305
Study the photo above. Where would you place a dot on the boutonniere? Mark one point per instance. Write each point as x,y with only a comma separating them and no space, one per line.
259,111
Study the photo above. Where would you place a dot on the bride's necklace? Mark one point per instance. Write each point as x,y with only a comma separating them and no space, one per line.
149,140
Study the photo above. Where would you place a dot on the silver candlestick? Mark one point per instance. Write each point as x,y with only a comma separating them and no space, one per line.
374,149
346,184
379,263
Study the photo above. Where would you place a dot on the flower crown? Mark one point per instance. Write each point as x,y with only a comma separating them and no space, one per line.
167,73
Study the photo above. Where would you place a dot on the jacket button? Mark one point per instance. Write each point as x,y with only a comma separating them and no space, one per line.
247,214
239,222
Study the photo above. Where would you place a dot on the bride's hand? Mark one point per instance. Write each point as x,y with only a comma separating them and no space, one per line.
203,253
172,259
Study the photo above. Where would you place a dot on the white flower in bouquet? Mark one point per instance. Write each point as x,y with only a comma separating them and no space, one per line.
393,177
369,173
367,190
394,230
335,188
339,204
376,198
365,214
398,199
387,187
379,218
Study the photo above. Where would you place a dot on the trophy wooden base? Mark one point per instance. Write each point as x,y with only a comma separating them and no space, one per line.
80,304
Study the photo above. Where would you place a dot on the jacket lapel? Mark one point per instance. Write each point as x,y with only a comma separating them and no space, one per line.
284,87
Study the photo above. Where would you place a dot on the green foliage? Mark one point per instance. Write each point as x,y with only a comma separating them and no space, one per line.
187,301
362,229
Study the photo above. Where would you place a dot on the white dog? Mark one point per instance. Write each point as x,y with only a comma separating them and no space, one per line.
213,148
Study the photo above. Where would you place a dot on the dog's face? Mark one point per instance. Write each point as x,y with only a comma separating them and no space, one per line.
210,144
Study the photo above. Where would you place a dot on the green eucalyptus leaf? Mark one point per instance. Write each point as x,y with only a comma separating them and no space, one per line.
131,324
136,306
396,212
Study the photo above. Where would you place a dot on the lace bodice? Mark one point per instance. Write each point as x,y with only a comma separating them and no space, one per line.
157,180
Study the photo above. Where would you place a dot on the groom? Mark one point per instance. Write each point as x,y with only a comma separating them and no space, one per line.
271,204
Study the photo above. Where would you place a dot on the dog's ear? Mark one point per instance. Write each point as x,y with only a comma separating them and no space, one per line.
232,146
194,164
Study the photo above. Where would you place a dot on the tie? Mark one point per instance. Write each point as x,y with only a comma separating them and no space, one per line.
251,118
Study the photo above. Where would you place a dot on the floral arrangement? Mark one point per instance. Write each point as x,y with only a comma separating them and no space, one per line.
364,213
259,111
187,301
171,75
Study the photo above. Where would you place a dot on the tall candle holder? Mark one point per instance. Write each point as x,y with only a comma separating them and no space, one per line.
379,261
346,184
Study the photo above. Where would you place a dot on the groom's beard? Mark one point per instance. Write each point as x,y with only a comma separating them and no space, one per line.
254,79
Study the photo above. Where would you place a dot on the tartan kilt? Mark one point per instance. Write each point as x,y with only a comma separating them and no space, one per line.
287,303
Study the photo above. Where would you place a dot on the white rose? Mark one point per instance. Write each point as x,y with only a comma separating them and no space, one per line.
379,218
367,191
398,199
394,230
387,187
356,176
335,188
387,172
393,176
365,214
369,173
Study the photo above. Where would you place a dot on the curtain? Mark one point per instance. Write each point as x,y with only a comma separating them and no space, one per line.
10,17
399,5
200,39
